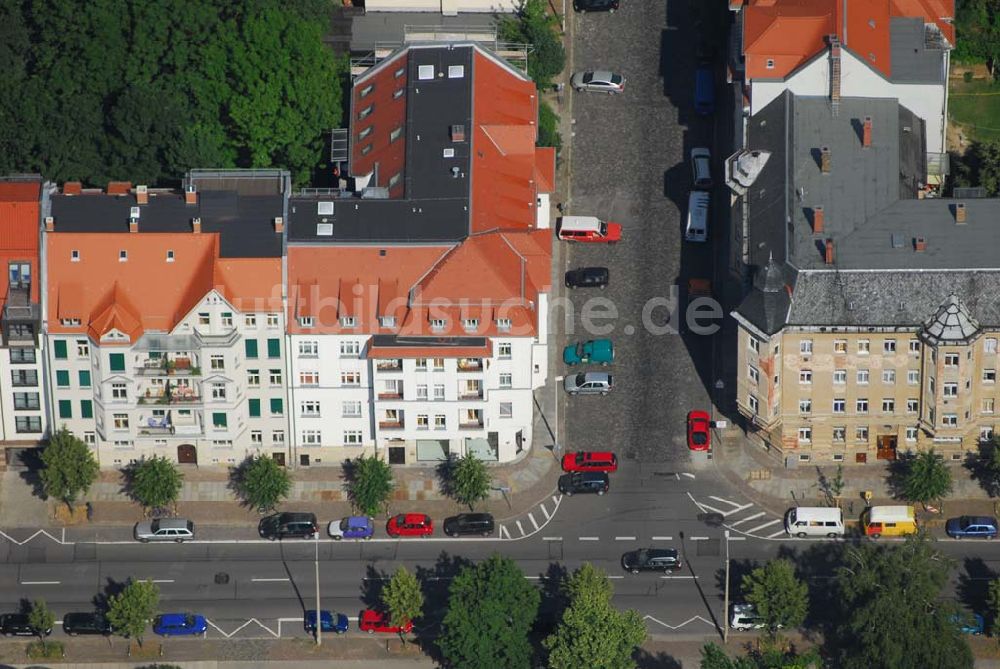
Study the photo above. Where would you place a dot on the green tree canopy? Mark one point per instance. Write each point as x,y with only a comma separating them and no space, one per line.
926,478
369,484
469,481
155,481
780,598
491,610
40,617
769,655
532,24
993,607
68,467
262,482
977,24
130,610
403,597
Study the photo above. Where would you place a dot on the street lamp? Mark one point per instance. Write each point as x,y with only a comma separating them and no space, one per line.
319,617
555,446
725,609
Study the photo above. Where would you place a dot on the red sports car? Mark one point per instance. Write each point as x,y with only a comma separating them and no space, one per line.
699,434
372,621
590,461
410,525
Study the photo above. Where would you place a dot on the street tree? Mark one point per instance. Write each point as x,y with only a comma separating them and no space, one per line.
491,610
68,467
369,484
993,607
532,24
262,482
40,617
130,610
592,632
766,655
469,480
403,597
779,597
890,609
155,482
926,478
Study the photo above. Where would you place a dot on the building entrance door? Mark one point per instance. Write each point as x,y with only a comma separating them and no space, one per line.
886,447
187,454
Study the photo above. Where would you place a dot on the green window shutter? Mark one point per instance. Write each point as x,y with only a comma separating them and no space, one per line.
274,348
276,406
254,408
60,348
65,409
84,378
62,378
219,419
117,362
251,345
86,409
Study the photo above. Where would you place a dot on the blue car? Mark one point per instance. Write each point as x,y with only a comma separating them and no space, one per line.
329,622
984,527
704,91
352,527
180,624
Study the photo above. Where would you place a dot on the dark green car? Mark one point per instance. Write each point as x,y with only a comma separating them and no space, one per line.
600,351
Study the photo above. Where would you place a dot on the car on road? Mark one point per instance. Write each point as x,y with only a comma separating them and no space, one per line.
745,617
469,523
598,81
652,559
584,482
164,529
329,622
288,524
588,383
696,228
352,527
600,351
86,623
180,624
372,621
595,5
588,229
704,90
590,461
970,623
588,277
699,430
701,167
410,525
17,624
971,527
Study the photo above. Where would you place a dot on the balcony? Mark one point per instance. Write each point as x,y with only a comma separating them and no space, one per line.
182,395
390,395
395,365
390,425
470,425
470,364
170,425
470,392
167,366
206,340
21,318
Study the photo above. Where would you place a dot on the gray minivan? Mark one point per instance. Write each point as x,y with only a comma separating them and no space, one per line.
164,529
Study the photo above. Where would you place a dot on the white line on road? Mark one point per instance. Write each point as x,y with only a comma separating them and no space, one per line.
776,534
39,582
698,538
737,538
685,578
624,538
556,499
504,534
711,508
663,538
551,538
748,518
270,580
767,524
519,528
161,580
533,521
533,578
589,538
548,516
616,577
690,476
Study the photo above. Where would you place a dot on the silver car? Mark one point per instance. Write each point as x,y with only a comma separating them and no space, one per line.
164,529
588,383
601,81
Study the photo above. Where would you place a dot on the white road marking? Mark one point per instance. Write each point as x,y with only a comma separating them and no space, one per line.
615,577
776,534
737,507
663,538
519,528
551,538
533,578
685,578
270,580
711,508
674,627
624,538
39,582
556,499
252,620
548,516
690,476
589,538
504,534
737,538
748,518
767,524
698,538
533,522
161,580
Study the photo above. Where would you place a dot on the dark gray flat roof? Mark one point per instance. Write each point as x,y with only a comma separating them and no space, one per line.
912,62
387,27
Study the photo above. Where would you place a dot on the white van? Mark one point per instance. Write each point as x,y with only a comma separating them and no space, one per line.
696,229
588,229
815,521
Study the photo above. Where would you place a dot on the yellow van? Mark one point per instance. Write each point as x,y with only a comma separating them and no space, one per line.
889,521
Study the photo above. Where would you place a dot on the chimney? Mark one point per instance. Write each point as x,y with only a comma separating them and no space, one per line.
959,213
828,249
190,195
50,224
72,188
919,244
279,224
141,195
133,225
818,220
196,226
866,135
824,159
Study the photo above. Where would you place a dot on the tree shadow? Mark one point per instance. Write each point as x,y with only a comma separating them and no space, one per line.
435,582
31,461
550,609
972,588
235,482
645,659
444,472
102,600
371,586
738,570
817,565
979,466
897,471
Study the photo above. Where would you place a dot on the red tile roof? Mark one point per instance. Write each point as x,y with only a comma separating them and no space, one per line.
19,223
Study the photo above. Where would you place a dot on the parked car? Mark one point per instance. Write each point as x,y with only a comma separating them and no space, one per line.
372,621
964,527
588,229
16,624
596,350
584,482
600,81
704,90
745,617
329,622
180,624
696,227
590,461
410,525
699,430
595,5
352,527
652,559
701,167
469,523
588,277
970,623
288,524
86,623
588,383
164,529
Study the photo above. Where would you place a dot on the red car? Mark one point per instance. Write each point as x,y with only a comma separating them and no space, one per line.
590,461
372,621
410,525
699,437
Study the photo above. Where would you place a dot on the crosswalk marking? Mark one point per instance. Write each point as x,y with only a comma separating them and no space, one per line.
748,518
504,534
519,528
556,499
776,534
533,522
548,516
767,524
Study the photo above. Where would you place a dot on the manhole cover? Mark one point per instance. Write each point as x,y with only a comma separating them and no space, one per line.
222,578
712,519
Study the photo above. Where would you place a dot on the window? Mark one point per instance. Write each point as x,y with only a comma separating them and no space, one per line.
805,435
504,350
989,376
350,409
117,361
422,422
805,406
840,346
888,405
503,324
422,391
204,318
311,438
309,409
350,379
861,406
754,374
20,356
366,112
398,93
863,376
421,364
278,437
120,421
395,134
82,348
438,392
250,320
839,405
352,437
753,343
438,364
864,347
123,256
988,405
951,359
89,438
805,376
218,391
277,407
754,404
911,434
251,348
170,256
306,321
308,348
29,377
254,406
59,349
990,345
272,322
930,384
806,347
28,423
62,378
440,422
256,437
840,434
912,406
227,319
840,376
26,402
366,90
949,419
74,255
950,389
506,380
770,63
506,409
309,378
253,377
119,391
65,409
365,132
889,376
217,362
274,377
86,409
986,434
470,324
219,420
350,348
889,346
387,321
912,377
438,324
861,433
914,346
274,348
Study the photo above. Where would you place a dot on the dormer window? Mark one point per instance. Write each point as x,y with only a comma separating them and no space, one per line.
69,322
438,324
398,93
366,112
395,134
306,321
348,321
123,256
503,324
470,324
366,91
364,133
74,255
770,63
400,72
387,321
170,256
366,149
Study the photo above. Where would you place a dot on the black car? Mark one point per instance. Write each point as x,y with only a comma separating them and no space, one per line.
596,482
651,559
16,624
587,277
595,5
288,524
86,623
469,523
